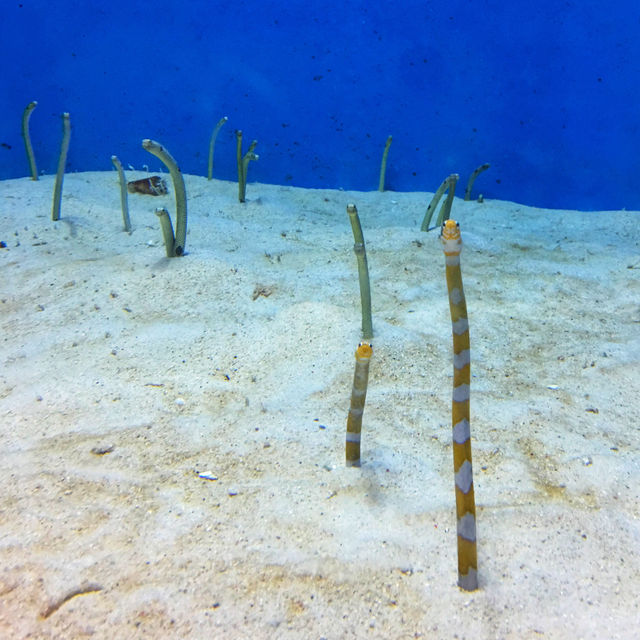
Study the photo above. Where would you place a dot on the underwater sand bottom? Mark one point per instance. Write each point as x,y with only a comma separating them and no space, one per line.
172,450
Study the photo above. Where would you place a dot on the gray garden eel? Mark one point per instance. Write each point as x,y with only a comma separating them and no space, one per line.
243,164
446,184
383,164
472,179
181,194
445,209
124,199
62,161
27,139
363,271
212,145
167,231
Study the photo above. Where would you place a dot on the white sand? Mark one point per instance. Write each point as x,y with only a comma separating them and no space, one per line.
172,363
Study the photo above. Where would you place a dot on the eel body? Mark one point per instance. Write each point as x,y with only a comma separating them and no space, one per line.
462,466
358,397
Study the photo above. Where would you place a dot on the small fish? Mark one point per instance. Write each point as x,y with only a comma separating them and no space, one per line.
151,186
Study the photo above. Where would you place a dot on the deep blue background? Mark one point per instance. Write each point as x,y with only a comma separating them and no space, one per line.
547,91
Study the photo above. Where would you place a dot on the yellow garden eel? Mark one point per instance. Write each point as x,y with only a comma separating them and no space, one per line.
358,396
462,468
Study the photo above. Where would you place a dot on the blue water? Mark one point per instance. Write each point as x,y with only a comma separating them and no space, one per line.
547,92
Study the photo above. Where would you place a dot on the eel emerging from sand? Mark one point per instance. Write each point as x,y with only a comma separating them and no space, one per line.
358,397
462,467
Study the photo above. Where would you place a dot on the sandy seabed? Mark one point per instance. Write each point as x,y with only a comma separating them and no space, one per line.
172,450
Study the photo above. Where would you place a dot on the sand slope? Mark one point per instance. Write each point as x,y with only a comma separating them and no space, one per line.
126,377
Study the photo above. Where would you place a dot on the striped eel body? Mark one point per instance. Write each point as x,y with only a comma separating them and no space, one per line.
462,467
358,396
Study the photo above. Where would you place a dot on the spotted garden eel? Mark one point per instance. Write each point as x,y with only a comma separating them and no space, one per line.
358,397
462,467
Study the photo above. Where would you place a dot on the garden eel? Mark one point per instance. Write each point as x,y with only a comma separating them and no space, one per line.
462,467
358,396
